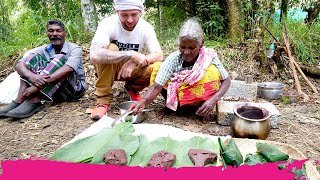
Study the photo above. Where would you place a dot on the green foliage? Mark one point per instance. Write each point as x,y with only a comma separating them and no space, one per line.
212,20
5,25
168,30
29,28
55,8
304,39
103,7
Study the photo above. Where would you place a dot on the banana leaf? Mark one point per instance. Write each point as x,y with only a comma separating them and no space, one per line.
271,153
127,142
136,159
83,150
252,159
230,153
196,142
163,143
179,148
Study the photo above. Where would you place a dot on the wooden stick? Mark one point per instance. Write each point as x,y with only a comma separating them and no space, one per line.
291,64
305,77
272,35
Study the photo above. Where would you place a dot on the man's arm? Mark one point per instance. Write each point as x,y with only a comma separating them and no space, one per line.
154,57
59,74
99,54
35,79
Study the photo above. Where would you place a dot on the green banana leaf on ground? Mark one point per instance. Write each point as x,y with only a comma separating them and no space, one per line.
136,159
252,159
179,148
196,142
139,151
271,153
230,153
127,142
83,150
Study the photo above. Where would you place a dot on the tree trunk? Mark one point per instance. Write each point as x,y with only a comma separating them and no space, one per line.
284,9
193,7
233,13
89,15
159,7
263,60
313,13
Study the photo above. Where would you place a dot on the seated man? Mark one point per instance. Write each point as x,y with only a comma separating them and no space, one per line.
53,72
116,52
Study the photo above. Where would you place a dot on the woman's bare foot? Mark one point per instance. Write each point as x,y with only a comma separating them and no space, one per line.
163,112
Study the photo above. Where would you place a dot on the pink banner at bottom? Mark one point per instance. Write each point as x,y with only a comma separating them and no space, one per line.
44,169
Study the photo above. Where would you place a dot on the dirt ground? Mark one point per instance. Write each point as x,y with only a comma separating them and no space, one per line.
44,132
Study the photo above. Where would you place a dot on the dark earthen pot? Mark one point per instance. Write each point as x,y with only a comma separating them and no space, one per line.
250,122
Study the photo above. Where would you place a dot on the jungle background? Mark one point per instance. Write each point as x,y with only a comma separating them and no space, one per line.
248,35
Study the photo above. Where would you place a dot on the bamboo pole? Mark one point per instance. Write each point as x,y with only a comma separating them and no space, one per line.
291,64
305,77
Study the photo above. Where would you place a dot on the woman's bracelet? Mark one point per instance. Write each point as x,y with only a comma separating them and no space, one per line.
146,100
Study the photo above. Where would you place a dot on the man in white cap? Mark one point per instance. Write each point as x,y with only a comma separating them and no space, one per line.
116,53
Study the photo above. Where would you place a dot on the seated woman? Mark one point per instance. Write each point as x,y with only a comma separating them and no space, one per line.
193,75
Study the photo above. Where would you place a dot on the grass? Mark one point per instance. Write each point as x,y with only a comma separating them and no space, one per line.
29,31
304,39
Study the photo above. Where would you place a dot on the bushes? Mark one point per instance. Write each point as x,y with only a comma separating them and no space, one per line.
29,28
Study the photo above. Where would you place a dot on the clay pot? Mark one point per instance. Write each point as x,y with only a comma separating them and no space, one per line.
250,122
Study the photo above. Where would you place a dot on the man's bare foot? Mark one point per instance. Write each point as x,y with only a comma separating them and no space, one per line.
31,91
163,112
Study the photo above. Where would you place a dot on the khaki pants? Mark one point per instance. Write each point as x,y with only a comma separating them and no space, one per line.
107,74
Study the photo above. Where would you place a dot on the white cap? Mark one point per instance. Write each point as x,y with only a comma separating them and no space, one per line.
128,5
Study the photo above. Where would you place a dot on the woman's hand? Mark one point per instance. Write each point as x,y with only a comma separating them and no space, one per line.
138,106
207,107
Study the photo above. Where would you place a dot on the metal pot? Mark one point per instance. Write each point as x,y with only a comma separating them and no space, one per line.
270,90
123,107
250,122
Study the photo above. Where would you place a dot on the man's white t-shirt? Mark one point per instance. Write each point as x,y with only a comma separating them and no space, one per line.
143,35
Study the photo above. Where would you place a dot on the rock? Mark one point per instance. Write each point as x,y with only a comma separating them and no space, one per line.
242,90
312,110
303,110
290,81
214,130
290,116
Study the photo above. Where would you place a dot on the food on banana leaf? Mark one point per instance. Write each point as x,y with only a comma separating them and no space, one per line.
116,157
252,159
162,159
200,157
230,153
84,149
271,153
